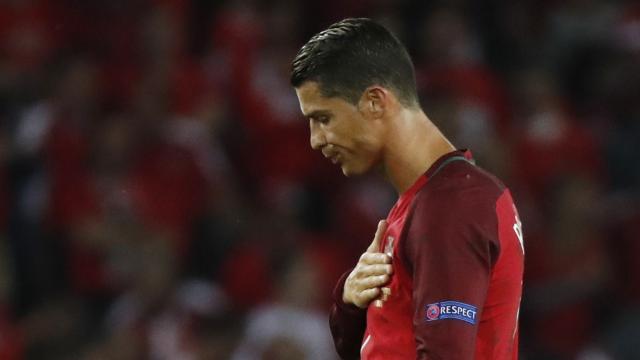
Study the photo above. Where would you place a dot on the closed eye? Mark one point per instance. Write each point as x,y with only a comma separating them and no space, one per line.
322,119
319,117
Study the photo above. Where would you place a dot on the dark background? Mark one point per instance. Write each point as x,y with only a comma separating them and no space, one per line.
159,200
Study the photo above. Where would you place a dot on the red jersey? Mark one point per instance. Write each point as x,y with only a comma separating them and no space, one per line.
457,255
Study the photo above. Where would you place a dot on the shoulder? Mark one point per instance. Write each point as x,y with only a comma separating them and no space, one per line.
457,204
461,187
455,214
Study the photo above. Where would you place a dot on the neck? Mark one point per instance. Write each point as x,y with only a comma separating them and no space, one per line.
414,144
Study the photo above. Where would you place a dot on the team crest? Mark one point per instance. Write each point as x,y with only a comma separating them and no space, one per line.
386,291
388,249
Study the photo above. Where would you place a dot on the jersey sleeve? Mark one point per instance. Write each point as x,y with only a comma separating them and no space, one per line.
347,323
450,247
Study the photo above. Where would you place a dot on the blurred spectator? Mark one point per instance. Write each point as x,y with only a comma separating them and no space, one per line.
158,311
461,94
549,142
568,270
289,327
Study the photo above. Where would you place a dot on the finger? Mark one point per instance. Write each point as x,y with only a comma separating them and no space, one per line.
374,258
375,269
377,238
365,297
373,282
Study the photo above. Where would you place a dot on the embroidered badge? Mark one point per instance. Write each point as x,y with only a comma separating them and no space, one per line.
451,310
389,248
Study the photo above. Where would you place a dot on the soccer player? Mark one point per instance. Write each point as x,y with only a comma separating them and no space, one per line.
442,278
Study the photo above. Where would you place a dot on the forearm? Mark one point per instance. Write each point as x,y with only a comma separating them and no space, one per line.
347,323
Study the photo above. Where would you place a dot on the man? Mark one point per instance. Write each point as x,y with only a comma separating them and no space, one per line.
442,278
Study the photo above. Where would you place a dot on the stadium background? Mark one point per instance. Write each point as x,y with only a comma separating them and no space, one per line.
158,198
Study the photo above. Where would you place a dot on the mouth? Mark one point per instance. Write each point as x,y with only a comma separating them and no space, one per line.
333,157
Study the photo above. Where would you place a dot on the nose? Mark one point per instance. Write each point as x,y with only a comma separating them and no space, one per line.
317,136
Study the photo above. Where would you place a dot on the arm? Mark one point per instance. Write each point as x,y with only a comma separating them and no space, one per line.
451,246
347,323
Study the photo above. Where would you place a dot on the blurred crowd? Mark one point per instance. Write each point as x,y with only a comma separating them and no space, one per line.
159,200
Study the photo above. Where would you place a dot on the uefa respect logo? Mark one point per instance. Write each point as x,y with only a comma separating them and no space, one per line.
451,310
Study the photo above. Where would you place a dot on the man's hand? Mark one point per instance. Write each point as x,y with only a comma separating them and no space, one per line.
372,271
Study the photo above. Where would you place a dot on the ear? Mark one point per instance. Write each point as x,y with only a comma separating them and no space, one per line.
374,102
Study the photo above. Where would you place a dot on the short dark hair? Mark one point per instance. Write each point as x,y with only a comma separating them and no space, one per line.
350,56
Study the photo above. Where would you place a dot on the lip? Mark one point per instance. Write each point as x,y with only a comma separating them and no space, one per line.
333,157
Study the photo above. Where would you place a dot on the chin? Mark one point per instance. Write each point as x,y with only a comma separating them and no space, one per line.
350,171
346,172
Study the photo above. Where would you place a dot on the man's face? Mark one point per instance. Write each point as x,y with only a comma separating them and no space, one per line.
346,134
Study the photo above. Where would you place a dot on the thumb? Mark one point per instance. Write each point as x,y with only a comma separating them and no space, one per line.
375,244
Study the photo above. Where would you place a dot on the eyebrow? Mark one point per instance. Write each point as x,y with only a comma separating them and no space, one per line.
317,113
